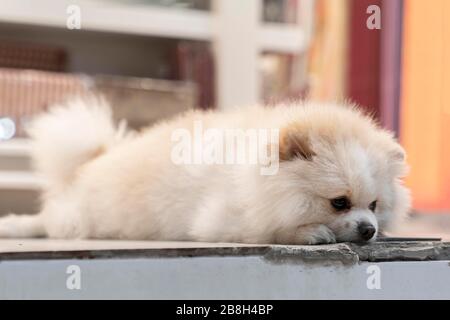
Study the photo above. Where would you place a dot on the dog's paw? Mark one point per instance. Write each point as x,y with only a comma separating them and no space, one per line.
315,234
8,226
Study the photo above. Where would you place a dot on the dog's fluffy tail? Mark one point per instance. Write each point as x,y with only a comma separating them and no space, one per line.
69,135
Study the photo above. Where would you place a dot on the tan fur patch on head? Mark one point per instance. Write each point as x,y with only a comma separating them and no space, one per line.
294,142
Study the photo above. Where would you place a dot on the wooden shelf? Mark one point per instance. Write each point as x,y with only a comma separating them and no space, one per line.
15,147
19,180
145,20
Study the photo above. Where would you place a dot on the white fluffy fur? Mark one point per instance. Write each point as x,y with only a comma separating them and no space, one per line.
99,187
68,136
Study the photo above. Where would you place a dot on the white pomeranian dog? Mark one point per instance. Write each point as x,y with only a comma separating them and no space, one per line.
330,175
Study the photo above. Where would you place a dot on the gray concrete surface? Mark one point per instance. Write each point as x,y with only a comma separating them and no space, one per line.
343,253
45,269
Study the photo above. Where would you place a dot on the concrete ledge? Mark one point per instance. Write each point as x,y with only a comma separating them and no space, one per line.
44,269
341,253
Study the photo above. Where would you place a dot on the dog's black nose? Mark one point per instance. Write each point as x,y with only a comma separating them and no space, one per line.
366,230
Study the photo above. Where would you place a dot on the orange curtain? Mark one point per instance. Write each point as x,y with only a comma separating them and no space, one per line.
425,111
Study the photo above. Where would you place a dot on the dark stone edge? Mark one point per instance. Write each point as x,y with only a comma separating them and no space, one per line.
340,254
136,253
402,251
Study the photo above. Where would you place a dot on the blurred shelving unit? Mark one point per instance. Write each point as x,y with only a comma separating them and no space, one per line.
234,28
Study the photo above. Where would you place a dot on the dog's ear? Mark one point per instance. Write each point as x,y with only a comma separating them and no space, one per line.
397,161
295,143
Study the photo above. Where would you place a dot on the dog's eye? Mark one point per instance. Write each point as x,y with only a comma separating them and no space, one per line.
341,203
373,206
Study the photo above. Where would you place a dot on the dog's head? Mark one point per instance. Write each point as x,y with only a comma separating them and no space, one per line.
344,172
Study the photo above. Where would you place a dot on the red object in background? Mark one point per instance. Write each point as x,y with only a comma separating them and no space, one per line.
391,61
194,63
24,93
364,57
31,56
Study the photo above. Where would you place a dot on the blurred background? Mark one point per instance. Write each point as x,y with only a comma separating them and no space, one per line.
154,58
